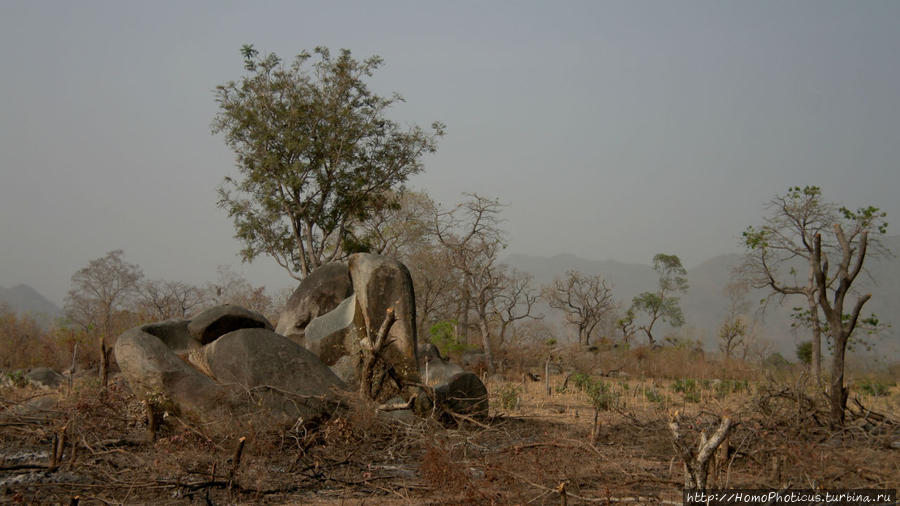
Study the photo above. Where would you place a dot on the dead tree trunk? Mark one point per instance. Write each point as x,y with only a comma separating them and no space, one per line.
373,349
696,462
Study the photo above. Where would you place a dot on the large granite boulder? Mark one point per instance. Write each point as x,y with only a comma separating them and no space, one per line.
209,325
153,370
289,379
174,334
320,292
380,283
335,334
246,372
347,368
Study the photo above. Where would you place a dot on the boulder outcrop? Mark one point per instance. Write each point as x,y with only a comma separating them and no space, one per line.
380,283
245,372
215,322
334,334
319,293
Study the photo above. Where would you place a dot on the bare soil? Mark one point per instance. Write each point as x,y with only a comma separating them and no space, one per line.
532,448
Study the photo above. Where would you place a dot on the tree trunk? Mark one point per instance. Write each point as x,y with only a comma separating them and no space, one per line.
650,340
815,364
486,339
838,394
104,363
464,321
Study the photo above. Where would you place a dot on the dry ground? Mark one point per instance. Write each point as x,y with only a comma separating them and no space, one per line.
532,444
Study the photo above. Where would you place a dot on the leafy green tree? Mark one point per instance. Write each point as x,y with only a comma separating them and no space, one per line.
663,304
626,325
315,152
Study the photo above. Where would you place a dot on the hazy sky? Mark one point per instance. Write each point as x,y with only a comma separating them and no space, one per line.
613,130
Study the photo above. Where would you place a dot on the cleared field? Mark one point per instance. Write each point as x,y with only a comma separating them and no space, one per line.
533,447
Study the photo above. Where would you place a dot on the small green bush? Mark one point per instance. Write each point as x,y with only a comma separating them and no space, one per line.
443,336
688,388
874,388
17,378
652,395
602,396
600,393
509,396
804,352
726,387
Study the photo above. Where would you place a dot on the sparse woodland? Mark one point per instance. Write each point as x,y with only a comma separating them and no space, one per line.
598,408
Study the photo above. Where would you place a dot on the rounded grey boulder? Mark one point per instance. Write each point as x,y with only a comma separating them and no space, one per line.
153,370
463,393
287,378
174,334
44,377
209,325
318,293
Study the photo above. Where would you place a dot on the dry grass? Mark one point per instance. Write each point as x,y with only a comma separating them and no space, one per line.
522,454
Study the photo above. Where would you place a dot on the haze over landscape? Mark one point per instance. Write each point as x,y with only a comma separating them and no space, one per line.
612,130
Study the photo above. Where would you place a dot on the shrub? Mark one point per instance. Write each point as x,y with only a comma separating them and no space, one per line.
443,335
804,352
601,395
874,388
726,387
509,396
688,388
652,395
776,361
17,378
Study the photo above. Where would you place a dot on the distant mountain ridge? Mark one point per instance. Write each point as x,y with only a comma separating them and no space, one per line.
705,305
24,299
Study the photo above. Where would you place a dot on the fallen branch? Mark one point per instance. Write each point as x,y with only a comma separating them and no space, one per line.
397,406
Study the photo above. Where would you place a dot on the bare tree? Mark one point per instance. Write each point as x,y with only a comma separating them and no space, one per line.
162,299
734,329
472,236
585,301
784,242
435,283
853,246
232,288
398,227
98,291
514,301
784,247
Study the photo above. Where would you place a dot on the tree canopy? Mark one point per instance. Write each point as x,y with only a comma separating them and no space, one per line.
315,154
663,304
